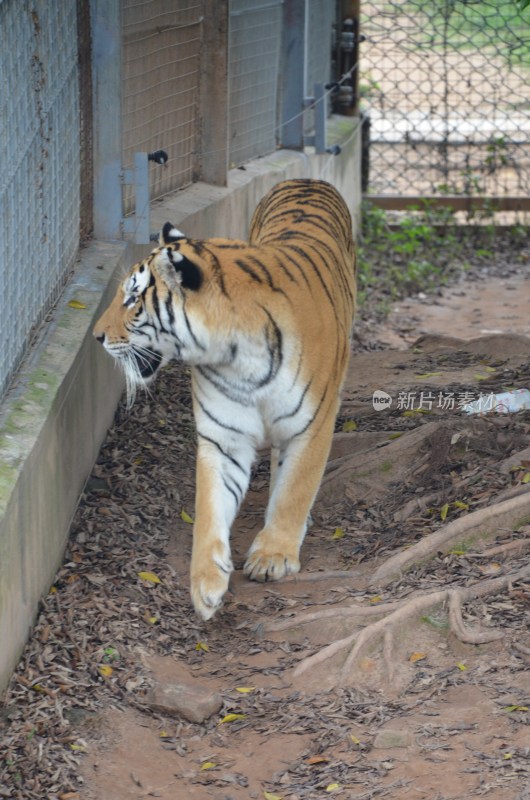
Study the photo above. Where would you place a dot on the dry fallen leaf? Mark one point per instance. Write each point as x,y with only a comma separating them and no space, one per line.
338,533
208,765
245,689
232,718
417,657
316,760
149,577
202,646
105,670
271,796
349,425
186,517
76,304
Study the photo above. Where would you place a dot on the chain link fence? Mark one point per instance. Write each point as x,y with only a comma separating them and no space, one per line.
445,90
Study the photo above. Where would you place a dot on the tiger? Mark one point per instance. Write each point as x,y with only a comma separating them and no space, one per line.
265,326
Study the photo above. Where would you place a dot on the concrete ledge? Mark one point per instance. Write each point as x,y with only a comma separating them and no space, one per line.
57,413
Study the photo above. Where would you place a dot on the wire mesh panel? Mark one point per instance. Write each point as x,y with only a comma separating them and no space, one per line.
161,45
254,57
446,89
321,18
39,157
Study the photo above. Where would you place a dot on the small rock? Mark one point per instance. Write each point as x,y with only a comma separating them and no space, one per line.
194,703
391,738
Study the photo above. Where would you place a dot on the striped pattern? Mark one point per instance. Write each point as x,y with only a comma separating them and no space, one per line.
265,326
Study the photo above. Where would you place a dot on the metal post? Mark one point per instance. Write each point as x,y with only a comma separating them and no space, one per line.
292,73
107,138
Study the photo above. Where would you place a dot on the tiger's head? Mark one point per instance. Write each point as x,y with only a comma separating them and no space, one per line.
146,324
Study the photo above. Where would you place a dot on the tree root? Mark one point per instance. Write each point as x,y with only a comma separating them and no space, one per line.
503,514
396,614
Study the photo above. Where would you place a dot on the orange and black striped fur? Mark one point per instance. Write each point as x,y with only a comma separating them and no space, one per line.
266,329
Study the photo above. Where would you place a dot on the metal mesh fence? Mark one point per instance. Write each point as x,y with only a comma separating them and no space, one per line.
445,86
321,17
39,153
254,53
161,48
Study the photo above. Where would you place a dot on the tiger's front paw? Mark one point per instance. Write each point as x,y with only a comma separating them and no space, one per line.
209,583
264,565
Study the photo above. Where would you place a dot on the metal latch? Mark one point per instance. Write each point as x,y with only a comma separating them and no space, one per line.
318,103
138,223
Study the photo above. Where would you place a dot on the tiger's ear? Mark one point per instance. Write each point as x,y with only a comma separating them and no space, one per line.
177,270
169,234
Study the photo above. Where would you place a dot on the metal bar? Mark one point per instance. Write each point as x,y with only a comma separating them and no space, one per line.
291,133
141,192
320,118
107,142
456,202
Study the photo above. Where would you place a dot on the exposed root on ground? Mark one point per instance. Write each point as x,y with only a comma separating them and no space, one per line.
506,514
393,616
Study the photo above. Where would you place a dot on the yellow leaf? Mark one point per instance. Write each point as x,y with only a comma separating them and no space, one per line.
479,377
105,670
515,708
461,505
461,667
526,478
395,435
376,599
232,718
150,577
349,425
53,590
354,739
332,787
507,756
413,411
208,765
428,374
417,657
245,689
202,646
186,517
338,534
76,304
443,511
152,620
491,369
271,796
163,734
78,747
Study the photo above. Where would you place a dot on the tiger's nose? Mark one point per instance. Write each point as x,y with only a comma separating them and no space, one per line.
100,337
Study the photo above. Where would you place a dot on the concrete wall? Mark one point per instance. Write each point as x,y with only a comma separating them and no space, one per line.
57,413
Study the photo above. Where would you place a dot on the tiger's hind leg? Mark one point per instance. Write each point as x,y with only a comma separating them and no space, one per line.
275,550
222,482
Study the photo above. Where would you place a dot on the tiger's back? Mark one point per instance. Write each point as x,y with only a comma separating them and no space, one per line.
266,328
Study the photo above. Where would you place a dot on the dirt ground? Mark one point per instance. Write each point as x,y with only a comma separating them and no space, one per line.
421,715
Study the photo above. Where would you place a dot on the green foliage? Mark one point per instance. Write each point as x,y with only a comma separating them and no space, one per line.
421,250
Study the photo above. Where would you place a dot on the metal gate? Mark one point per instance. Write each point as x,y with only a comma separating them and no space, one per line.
445,90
